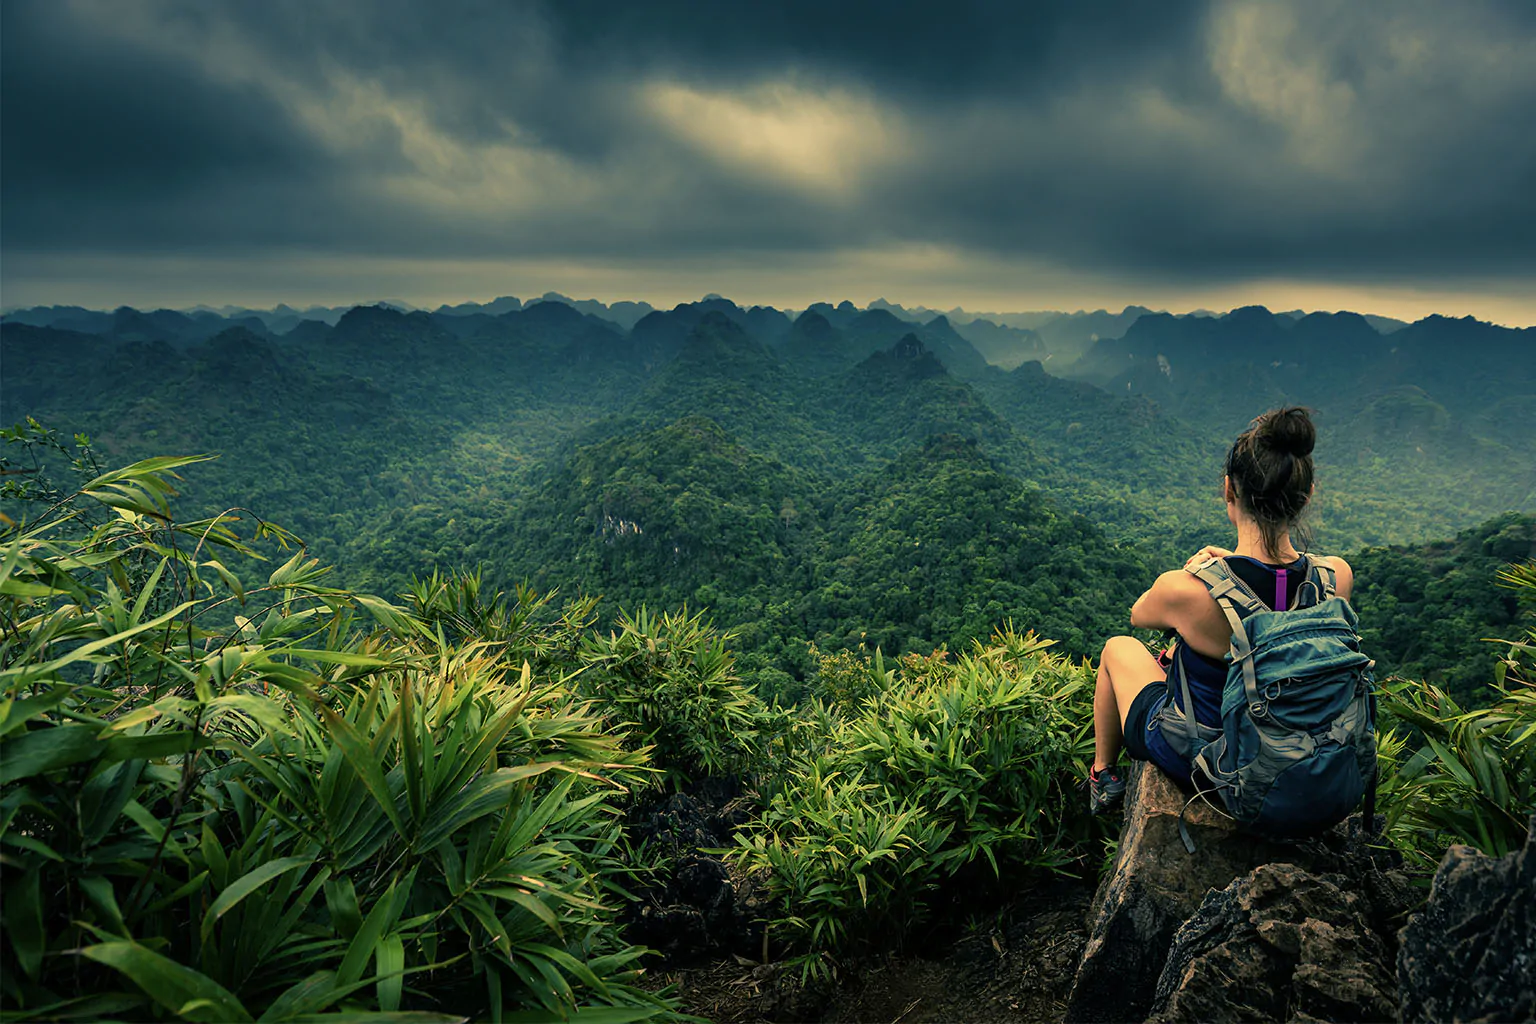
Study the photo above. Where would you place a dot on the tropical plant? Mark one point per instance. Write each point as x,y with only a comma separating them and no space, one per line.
287,801
670,680
522,626
948,765
1473,780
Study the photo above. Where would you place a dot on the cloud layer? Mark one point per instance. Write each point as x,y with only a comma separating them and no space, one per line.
1182,142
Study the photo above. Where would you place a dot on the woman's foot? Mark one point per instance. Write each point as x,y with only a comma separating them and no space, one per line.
1106,789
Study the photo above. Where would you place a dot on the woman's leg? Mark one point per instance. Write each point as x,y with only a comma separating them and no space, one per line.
1125,668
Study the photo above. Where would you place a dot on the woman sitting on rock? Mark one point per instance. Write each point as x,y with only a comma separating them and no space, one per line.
1267,486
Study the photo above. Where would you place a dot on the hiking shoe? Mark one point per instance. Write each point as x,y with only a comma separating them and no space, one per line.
1106,790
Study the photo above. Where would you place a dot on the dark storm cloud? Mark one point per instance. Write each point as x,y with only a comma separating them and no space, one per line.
105,143
916,51
1198,140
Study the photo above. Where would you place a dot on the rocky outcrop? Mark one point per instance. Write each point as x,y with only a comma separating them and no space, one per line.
1470,954
1156,885
1282,944
695,907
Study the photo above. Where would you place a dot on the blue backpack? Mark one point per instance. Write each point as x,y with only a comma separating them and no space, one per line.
1296,750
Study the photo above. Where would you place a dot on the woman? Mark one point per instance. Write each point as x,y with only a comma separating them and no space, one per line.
1268,483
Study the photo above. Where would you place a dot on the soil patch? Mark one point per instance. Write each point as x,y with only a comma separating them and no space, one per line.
1015,966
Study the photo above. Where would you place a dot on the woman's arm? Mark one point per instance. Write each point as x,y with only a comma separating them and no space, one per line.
1166,603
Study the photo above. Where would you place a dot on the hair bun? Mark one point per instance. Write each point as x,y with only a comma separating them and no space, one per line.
1288,431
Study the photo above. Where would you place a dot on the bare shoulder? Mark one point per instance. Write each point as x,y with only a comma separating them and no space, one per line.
1178,586
1345,574
1181,592
1166,603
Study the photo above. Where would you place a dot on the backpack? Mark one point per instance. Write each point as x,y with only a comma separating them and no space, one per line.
1296,749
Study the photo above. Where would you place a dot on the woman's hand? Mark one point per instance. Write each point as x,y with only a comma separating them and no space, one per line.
1205,554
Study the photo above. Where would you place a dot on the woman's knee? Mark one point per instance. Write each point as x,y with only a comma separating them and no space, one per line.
1129,666
1117,647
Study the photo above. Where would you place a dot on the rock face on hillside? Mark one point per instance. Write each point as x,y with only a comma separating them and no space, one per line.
1156,885
1283,944
1470,954
700,910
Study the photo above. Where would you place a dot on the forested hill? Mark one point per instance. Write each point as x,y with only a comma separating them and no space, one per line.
1429,611
837,475
1432,407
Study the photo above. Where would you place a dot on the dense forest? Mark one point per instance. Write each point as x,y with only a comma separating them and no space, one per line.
846,477
737,635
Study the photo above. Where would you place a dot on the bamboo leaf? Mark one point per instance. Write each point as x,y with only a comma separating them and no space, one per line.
389,962
14,714
348,658
175,987
247,883
360,756
43,750
22,912
154,745
25,671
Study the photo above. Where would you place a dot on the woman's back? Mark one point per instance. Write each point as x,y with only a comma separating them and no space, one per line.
1267,483
1188,608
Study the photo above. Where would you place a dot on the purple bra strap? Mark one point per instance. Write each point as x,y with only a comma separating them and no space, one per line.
1280,604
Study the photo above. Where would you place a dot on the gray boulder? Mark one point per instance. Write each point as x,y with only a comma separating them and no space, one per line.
1470,954
1279,944
1155,885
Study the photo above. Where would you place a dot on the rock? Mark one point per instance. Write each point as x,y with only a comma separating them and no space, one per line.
1470,953
696,908
1156,884
1279,944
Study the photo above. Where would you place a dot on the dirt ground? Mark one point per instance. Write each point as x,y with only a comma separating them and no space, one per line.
1015,966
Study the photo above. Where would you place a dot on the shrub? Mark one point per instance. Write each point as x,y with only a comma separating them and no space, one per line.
950,764
285,801
669,679
1473,780
522,626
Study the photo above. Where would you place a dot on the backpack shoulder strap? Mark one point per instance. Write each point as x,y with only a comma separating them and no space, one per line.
1232,594
1227,588
1323,580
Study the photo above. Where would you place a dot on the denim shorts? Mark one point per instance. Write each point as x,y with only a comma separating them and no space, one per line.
1144,734
1146,705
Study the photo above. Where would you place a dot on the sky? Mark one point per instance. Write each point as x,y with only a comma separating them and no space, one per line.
1180,154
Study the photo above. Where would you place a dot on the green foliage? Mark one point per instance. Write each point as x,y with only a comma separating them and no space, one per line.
1428,611
669,678
694,461
945,766
523,625
255,794
942,546
1473,780
287,801
845,679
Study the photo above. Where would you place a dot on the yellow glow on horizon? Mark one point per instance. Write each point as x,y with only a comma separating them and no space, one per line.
933,276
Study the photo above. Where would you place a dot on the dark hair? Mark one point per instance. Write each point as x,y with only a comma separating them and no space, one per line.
1270,466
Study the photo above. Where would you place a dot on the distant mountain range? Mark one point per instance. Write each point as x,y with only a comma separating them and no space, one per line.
1005,339
825,474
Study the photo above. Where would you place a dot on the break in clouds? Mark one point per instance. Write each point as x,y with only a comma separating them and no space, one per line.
1312,139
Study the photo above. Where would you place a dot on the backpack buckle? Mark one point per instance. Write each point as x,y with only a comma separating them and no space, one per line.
1258,709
